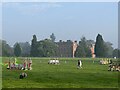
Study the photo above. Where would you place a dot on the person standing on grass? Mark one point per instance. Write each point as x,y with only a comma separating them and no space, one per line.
24,65
9,65
79,64
30,63
110,65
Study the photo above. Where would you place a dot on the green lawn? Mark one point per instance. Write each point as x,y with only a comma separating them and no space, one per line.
65,75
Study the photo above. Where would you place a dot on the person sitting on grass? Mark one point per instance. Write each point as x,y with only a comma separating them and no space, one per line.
13,66
119,67
22,75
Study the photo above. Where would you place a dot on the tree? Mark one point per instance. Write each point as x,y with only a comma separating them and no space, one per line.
83,49
25,46
17,50
109,49
89,45
53,37
116,53
6,49
46,48
80,52
100,49
34,47
90,42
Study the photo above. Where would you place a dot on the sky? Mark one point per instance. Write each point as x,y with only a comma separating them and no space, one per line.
67,20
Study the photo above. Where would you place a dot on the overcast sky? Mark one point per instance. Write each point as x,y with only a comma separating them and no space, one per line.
65,20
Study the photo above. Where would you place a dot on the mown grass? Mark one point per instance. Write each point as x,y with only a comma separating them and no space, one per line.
65,75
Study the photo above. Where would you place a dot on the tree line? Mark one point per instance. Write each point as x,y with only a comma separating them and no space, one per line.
48,48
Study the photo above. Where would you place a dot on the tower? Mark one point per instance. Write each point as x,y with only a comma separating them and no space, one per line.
93,50
74,47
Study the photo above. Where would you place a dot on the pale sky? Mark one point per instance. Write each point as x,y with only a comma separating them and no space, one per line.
67,20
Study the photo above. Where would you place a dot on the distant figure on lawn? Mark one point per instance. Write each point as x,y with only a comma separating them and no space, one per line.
9,65
79,64
54,61
23,75
29,64
24,65
110,65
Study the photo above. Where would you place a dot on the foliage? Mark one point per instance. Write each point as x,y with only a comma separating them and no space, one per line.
100,48
80,52
17,50
34,47
83,49
64,49
109,49
43,48
53,37
46,48
50,48
25,48
116,53
6,49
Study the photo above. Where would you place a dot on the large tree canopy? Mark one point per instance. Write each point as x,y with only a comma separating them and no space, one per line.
46,48
25,46
50,48
83,49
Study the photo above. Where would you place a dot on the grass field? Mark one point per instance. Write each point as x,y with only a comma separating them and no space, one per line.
65,75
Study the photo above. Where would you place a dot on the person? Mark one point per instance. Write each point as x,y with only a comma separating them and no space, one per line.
24,65
110,65
79,64
110,62
113,67
20,66
9,65
118,67
22,75
30,63
13,66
